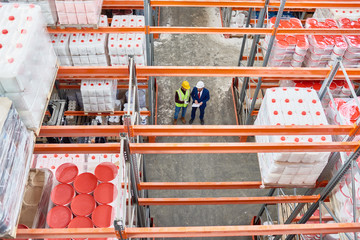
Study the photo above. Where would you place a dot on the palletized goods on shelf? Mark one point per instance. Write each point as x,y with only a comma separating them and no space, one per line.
16,147
288,50
28,61
86,189
78,12
351,57
335,13
123,45
291,106
80,49
324,49
98,96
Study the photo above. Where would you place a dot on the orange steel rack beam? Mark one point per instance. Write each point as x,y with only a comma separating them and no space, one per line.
223,231
227,200
210,30
181,148
170,130
290,5
203,71
204,185
120,4
176,232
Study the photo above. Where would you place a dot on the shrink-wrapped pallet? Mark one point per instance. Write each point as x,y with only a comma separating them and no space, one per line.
123,45
291,106
324,49
27,61
351,57
78,12
99,96
16,147
288,50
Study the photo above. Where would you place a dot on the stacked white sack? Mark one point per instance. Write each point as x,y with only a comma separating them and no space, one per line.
89,49
123,45
78,12
98,96
291,106
288,50
27,61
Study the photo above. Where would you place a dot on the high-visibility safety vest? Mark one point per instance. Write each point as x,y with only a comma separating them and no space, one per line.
183,97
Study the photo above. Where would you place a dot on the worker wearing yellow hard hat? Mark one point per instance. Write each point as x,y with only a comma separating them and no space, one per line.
182,97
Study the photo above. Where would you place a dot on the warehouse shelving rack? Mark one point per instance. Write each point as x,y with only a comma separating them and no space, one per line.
130,132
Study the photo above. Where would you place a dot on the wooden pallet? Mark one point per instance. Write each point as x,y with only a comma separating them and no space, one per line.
37,130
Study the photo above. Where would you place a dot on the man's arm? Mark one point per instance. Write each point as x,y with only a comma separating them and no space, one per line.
193,95
206,97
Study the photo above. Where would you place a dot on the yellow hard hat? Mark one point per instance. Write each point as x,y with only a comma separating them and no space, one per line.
185,84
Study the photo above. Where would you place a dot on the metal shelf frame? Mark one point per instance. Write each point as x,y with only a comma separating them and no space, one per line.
134,150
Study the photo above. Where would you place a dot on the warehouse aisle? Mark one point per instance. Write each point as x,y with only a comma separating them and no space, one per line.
202,50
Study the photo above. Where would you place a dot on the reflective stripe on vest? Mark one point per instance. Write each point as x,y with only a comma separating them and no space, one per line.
183,97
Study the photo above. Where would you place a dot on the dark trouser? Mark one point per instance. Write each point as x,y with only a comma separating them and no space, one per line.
202,112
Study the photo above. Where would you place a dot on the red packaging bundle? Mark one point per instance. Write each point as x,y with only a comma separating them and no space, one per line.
324,49
337,88
352,54
288,50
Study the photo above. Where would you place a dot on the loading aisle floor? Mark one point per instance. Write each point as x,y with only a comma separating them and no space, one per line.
202,50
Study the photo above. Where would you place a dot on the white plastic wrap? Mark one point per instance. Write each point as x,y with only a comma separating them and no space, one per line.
291,106
288,50
27,61
347,109
122,45
142,98
16,147
98,96
48,9
324,49
238,18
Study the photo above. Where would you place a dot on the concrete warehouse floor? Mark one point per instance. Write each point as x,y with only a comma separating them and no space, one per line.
201,50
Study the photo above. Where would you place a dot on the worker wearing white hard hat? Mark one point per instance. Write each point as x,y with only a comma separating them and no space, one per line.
200,95
182,97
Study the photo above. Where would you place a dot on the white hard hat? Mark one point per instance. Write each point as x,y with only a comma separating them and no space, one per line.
200,84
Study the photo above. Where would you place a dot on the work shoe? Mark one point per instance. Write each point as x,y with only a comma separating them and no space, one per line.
202,121
191,121
183,120
175,122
